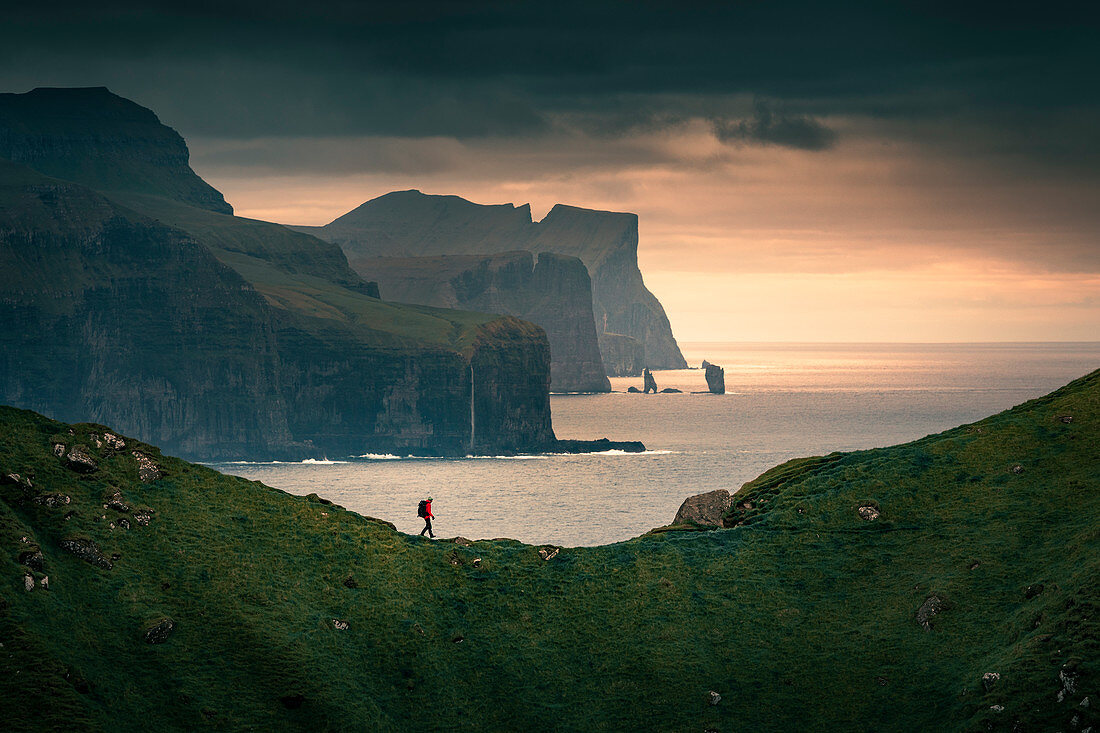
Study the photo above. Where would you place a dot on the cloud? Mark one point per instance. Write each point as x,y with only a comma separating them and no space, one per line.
767,126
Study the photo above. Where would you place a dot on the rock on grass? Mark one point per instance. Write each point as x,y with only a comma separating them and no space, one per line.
87,550
158,630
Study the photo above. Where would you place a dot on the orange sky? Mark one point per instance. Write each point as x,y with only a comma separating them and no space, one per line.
875,239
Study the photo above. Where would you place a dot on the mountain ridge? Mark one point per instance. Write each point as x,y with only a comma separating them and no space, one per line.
632,328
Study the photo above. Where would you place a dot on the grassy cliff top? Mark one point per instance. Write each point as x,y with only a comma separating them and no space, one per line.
90,135
307,279
970,602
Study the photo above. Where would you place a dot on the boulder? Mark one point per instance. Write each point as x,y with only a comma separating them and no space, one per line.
158,630
142,516
931,606
868,513
339,624
549,553
87,550
708,508
715,698
633,390
671,390
14,478
113,441
52,501
989,679
33,559
78,459
115,501
716,378
28,582
148,471
649,382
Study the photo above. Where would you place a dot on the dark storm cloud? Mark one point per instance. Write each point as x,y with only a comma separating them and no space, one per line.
463,69
978,78
771,127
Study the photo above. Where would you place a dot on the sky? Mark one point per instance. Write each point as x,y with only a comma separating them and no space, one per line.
803,171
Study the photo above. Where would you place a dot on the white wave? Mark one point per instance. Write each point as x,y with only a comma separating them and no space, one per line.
540,457
320,462
619,452
382,457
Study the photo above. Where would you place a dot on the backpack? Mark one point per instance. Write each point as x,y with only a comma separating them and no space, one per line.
422,510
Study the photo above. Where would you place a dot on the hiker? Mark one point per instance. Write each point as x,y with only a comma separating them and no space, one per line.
425,511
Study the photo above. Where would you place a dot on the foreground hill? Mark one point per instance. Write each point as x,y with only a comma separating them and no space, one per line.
131,296
631,324
951,583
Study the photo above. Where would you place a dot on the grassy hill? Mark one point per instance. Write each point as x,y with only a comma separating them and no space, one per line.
289,612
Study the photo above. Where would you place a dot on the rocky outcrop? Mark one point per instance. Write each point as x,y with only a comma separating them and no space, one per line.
409,223
650,384
716,378
145,305
622,355
97,138
87,550
553,292
607,242
157,631
707,509
932,606
78,460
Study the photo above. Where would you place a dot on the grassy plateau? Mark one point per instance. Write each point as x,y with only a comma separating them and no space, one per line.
969,601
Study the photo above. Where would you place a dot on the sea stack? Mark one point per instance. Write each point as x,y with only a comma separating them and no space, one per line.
649,382
716,378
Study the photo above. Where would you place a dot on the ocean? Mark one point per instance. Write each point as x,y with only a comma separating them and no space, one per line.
783,401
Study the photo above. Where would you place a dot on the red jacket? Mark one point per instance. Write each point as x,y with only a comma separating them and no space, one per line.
428,510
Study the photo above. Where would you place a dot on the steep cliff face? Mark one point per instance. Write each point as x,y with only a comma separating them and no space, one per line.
607,242
220,336
510,387
554,293
112,316
97,138
347,397
409,223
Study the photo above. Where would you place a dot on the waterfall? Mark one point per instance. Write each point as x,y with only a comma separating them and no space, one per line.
473,425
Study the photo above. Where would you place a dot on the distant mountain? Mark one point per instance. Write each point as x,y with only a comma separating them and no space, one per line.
146,304
632,328
554,292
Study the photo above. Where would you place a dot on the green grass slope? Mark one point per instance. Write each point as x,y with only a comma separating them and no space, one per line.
802,615
310,279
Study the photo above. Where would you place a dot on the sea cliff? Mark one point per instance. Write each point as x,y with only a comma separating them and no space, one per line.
131,295
553,292
410,224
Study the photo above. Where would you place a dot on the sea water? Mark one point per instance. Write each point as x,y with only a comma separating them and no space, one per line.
783,401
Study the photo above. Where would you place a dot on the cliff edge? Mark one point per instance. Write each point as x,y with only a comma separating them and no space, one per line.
631,326
553,292
130,295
